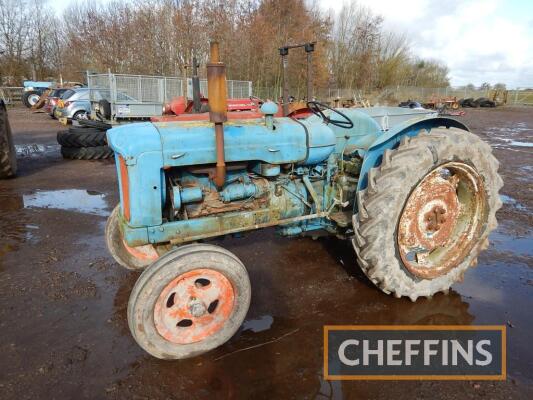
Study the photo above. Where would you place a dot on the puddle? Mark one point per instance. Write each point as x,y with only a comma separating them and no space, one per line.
515,135
258,325
512,202
520,144
14,225
520,246
78,200
28,150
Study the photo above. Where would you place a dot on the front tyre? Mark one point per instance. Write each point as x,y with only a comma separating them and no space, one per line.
190,301
134,258
427,212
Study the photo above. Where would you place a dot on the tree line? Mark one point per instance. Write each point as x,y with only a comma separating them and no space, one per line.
160,37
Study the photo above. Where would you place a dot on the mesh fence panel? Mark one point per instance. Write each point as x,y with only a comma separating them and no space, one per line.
173,87
236,89
203,88
99,87
153,89
128,87
239,89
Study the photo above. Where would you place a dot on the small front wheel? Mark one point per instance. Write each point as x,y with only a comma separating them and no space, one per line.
190,301
134,258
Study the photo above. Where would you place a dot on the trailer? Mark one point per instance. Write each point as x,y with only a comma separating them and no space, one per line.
120,98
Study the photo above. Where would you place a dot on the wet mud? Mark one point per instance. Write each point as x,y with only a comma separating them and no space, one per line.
63,299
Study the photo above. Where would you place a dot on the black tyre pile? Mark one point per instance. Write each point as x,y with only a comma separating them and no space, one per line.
480,102
85,142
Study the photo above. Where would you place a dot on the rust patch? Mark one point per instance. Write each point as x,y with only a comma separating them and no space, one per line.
194,306
212,204
441,220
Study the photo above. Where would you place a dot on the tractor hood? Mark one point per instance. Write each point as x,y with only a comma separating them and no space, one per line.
193,142
304,142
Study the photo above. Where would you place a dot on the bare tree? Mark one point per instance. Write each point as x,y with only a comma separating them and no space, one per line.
14,32
161,36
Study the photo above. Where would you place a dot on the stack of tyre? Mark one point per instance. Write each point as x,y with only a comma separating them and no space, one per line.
86,141
480,102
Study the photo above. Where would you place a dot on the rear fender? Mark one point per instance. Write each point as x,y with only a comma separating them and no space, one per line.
391,139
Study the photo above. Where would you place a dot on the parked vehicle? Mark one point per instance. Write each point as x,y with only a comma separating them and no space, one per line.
415,194
52,100
74,104
8,156
33,91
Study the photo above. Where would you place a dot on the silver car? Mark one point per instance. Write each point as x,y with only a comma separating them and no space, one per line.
74,105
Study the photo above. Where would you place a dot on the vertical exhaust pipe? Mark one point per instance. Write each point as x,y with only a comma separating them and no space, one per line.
196,86
217,94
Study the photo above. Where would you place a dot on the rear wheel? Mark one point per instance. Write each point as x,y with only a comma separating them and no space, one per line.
188,302
427,212
79,115
134,258
30,98
8,155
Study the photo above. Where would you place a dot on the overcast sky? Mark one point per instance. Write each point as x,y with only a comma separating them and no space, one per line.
480,40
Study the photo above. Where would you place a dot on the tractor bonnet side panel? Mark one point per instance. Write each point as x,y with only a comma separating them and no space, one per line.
193,143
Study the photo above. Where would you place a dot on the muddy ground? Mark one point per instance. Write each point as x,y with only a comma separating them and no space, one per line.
63,329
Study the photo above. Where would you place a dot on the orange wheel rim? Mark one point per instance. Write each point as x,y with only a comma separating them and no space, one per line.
194,306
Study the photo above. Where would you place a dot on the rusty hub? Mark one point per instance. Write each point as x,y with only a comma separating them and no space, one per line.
435,218
194,306
441,220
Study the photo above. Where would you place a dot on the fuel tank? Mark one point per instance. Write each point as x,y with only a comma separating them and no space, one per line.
193,142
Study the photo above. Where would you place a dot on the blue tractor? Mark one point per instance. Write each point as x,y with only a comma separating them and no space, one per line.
416,194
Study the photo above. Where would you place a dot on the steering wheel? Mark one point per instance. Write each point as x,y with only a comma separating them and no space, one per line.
318,109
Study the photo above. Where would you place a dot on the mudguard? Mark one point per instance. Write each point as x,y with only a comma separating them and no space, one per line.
392,138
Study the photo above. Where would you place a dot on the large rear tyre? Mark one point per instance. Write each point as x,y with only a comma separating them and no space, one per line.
188,302
30,98
8,155
427,212
133,258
